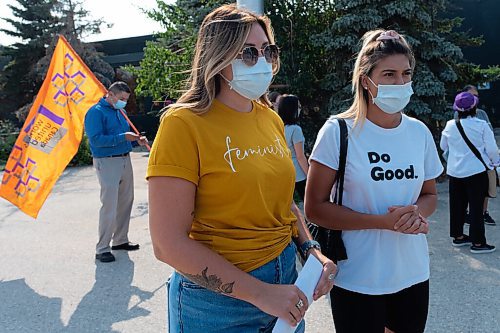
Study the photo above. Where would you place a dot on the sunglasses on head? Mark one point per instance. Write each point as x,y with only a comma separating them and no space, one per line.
250,54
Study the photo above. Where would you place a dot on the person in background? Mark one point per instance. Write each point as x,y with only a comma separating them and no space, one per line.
480,114
389,192
110,141
289,110
274,97
221,184
467,174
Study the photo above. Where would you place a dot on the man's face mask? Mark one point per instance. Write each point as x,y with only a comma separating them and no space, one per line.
392,98
119,104
251,81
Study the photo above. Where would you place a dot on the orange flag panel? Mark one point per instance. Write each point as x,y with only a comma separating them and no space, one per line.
52,132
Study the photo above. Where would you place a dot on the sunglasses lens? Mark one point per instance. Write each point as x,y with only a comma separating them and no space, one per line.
271,53
250,55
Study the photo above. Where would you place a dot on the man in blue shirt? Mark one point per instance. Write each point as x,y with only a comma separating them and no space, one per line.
110,141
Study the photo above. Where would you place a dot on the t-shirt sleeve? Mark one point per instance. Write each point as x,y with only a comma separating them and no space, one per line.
490,146
175,151
432,164
297,135
326,147
443,143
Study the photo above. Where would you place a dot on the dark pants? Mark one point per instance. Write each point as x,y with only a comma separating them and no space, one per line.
300,189
469,190
402,312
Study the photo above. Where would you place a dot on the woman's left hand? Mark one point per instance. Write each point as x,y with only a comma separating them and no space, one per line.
325,283
411,223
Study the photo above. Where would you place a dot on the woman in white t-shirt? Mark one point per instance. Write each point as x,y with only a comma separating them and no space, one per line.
289,111
389,191
467,173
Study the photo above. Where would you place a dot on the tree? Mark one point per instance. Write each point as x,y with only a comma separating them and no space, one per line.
303,64
38,23
164,68
74,25
4,59
34,24
440,68
319,40
167,61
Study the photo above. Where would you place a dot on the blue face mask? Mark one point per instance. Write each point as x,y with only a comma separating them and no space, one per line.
251,81
392,98
120,104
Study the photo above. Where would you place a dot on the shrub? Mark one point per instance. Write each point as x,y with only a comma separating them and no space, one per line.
83,155
8,136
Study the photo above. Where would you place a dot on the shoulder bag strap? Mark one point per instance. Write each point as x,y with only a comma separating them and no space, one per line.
337,243
342,158
471,146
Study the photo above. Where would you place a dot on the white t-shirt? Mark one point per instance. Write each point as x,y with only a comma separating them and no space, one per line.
385,167
461,160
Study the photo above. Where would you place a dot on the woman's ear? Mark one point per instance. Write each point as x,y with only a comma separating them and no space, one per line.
364,82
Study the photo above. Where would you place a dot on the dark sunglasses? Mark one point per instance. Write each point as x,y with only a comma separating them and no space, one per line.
250,54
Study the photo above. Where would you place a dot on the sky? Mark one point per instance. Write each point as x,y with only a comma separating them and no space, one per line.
126,16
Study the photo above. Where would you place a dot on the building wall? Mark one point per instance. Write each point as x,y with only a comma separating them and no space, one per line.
123,51
482,17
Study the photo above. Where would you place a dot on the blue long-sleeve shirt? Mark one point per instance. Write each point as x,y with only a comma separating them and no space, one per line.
106,127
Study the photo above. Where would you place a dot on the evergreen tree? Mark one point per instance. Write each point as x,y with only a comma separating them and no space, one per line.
319,40
440,67
75,25
4,59
35,25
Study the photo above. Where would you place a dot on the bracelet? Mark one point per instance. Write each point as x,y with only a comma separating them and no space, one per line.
307,245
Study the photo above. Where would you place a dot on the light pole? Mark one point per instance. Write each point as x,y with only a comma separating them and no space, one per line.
256,6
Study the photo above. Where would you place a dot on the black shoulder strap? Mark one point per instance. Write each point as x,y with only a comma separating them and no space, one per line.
342,159
471,146
337,249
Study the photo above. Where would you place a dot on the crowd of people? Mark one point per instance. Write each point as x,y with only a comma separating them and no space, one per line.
229,158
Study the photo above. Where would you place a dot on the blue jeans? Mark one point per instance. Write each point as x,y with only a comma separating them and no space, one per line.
194,309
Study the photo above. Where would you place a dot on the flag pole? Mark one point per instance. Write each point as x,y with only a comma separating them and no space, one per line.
133,127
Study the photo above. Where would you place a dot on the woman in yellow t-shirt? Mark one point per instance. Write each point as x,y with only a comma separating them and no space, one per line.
220,189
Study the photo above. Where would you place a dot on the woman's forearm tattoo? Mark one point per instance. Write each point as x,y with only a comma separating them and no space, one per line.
211,282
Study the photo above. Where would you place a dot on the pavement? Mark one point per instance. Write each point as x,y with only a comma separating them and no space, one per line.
50,282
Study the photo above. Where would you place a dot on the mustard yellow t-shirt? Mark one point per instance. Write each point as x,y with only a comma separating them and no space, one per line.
244,176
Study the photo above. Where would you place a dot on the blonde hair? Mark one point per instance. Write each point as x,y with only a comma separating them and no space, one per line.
221,37
374,48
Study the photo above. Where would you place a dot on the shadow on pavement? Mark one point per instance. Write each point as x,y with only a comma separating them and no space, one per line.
109,300
22,310
112,299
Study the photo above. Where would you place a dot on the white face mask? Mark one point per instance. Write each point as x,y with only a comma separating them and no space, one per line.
251,81
392,98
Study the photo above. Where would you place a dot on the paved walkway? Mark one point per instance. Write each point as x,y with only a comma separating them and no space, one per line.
49,281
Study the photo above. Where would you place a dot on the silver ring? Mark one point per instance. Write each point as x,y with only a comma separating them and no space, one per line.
299,304
331,277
